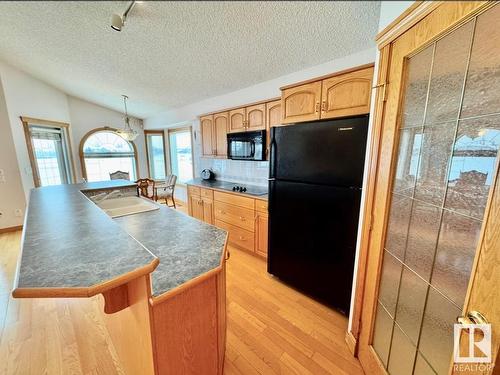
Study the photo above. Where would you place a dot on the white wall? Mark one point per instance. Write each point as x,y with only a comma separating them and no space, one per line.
390,10
11,187
28,96
86,116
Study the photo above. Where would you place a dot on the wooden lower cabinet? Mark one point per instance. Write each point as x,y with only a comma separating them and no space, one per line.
182,331
201,208
244,218
195,207
261,233
208,210
237,236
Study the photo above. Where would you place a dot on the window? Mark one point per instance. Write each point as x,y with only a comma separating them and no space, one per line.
155,147
181,153
102,151
49,151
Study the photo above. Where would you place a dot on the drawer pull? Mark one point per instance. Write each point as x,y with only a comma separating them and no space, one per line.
242,218
221,212
242,238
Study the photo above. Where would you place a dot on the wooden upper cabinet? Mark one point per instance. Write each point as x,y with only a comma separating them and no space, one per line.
221,123
301,103
273,118
273,113
347,94
237,120
256,117
207,135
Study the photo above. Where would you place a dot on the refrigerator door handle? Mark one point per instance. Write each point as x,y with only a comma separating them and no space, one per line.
272,154
271,179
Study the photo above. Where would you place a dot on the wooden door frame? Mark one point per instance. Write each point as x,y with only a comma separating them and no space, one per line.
65,127
157,132
437,18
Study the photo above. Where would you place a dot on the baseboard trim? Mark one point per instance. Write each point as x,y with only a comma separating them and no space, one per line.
11,229
352,343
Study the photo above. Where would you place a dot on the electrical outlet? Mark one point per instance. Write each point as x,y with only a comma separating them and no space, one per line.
18,212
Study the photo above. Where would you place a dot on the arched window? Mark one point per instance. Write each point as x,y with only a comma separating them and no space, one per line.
102,151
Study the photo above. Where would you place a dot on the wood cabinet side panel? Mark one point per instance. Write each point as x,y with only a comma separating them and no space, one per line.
222,316
273,118
186,333
261,234
130,329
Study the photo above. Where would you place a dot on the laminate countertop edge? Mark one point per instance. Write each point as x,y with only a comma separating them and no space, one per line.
72,248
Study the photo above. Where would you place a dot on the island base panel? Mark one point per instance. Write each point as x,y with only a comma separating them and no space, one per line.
189,329
130,328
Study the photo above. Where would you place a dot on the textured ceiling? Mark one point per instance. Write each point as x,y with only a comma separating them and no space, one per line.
174,53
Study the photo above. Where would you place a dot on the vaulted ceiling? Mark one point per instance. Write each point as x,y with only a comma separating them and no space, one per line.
171,54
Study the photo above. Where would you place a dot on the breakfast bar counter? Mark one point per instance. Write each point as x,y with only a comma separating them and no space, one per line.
161,274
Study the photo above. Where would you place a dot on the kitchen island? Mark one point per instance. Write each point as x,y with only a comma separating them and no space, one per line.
161,275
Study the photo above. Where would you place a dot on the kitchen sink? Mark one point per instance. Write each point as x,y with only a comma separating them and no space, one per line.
123,206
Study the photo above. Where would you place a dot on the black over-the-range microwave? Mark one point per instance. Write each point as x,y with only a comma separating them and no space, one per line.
247,145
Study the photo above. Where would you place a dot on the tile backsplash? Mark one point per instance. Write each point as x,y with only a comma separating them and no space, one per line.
251,172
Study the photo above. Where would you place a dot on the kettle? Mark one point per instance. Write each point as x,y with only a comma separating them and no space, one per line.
207,174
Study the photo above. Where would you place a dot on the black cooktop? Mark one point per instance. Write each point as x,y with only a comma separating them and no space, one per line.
231,186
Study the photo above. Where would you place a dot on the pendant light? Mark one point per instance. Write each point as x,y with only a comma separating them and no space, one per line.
127,133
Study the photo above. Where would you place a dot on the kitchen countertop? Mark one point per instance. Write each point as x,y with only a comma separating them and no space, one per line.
224,186
72,248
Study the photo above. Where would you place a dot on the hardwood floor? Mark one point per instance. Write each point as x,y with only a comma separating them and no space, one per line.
272,329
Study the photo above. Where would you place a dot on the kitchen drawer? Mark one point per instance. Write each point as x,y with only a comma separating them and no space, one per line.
234,199
237,236
194,190
207,193
261,205
239,216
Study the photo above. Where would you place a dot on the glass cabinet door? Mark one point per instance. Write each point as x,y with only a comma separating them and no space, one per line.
449,138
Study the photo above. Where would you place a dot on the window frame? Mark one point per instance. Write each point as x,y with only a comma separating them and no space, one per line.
100,130
162,133
64,127
169,163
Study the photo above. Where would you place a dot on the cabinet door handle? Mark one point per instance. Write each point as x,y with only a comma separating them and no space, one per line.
317,107
242,218
323,105
221,212
242,238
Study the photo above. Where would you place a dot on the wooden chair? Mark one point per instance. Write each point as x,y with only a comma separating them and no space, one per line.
146,188
166,191
119,175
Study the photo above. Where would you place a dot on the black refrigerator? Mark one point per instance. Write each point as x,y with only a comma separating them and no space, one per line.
316,174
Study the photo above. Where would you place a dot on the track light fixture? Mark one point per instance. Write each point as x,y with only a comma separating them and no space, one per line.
118,21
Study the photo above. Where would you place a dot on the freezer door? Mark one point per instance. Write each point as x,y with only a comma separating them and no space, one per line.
324,152
312,239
